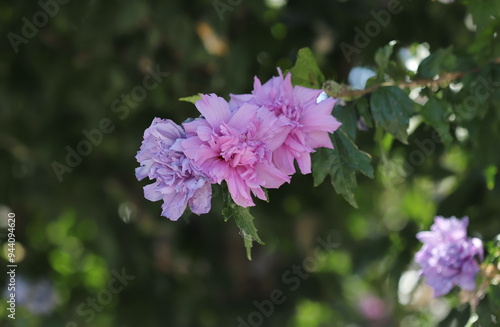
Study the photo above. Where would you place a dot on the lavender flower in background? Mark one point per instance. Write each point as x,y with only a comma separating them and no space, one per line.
178,180
39,297
310,121
448,255
373,308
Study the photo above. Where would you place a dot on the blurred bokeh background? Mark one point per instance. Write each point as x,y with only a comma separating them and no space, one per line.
80,67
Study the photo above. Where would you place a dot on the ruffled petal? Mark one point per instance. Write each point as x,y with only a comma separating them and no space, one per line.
239,191
191,127
441,286
319,123
215,109
467,278
271,176
151,193
283,159
306,95
200,202
318,140
304,162
174,205
237,100
246,113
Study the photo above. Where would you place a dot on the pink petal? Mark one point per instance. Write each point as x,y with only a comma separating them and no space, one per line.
306,95
283,159
242,116
239,191
205,133
273,130
319,139
258,192
287,87
239,99
215,109
304,162
319,122
272,177
191,146
296,142
216,169
191,127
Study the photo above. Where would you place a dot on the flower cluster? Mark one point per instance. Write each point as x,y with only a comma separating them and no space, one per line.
448,255
251,143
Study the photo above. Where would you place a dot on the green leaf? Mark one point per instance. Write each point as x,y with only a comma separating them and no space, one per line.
484,12
435,113
487,313
439,61
392,109
341,164
456,318
247,240
494,297
489,174
192,98
306,71
364,111
243,219
382,59
493,250
347,116
477,95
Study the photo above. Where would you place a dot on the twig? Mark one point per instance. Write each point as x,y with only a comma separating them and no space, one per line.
335,90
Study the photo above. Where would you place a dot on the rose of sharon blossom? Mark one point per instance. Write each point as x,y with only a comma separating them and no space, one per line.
236,147
448,255
178,180
309,122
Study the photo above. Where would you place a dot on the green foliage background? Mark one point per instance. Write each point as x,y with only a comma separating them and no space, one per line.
195,272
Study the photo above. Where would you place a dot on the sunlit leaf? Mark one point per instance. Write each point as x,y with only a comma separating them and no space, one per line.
306,71
192,98
489,173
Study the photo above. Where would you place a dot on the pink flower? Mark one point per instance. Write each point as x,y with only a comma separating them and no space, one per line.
236,147
373,307
178,180
309,122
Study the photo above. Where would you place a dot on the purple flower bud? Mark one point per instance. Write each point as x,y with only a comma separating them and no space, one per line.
448,255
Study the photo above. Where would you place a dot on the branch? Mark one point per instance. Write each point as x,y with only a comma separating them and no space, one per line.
341,91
